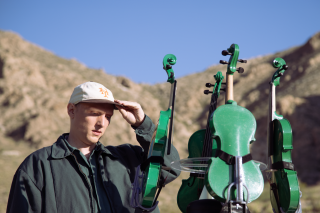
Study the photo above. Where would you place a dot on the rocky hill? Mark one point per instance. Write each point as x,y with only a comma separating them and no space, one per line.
35,86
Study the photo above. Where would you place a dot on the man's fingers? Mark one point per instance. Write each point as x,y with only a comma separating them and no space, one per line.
131,111
128,104
122,111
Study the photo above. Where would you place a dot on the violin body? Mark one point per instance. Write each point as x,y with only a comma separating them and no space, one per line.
285,179
191,188
157,148
233,127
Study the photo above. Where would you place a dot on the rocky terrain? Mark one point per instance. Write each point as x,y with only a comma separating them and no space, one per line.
35,86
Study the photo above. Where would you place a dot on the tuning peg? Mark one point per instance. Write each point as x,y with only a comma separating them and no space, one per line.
207,92
168,67
224,89
285,67
223,62
240,70
225,52
209,85
242,61
279,74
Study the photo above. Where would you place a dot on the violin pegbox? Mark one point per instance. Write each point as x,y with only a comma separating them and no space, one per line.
282,66
218,77
233,51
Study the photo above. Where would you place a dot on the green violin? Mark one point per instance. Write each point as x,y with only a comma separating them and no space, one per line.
161,139
233,128
200,144
284,186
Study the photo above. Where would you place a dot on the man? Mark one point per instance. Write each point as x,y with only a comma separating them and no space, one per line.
77,173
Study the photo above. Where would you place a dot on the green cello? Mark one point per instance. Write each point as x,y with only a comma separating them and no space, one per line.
200,145
284,186
233,128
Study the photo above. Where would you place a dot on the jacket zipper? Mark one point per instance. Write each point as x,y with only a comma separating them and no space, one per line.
91,194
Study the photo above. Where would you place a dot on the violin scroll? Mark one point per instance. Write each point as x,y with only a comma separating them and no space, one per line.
218,77
234,52
282,66
168,61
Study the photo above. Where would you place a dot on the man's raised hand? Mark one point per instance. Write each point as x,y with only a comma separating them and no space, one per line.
131,112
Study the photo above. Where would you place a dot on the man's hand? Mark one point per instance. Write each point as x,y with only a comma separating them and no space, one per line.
131,112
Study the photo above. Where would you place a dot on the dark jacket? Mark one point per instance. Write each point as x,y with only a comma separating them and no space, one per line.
50,179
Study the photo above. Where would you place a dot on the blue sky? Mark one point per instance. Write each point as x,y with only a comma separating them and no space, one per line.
130,38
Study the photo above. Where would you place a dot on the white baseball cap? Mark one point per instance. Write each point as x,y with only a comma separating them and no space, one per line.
92,92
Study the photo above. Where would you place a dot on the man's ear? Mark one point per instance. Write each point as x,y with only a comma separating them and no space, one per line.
71,110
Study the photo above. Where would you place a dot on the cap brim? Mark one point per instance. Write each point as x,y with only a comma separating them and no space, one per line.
102,101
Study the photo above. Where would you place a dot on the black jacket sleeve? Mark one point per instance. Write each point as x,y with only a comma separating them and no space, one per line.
144,133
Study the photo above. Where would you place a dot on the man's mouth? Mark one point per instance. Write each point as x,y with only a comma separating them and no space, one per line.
96,132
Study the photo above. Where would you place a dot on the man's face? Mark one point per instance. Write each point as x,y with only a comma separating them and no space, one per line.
89,121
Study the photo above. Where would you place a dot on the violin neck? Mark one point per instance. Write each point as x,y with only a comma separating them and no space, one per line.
271,113
272,102
171,106
171,95
229,88
207,145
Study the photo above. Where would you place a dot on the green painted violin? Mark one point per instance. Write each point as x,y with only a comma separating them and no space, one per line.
145,193
200,144
161,139
284,186
233,128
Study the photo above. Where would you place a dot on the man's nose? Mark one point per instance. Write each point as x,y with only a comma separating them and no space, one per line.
101,120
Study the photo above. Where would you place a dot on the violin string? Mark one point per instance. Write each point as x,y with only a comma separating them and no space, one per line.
207,146
208,142
205,143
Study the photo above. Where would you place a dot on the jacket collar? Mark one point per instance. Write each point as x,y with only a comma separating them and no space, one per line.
60,149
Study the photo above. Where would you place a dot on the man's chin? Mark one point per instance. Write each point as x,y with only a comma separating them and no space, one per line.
94,139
